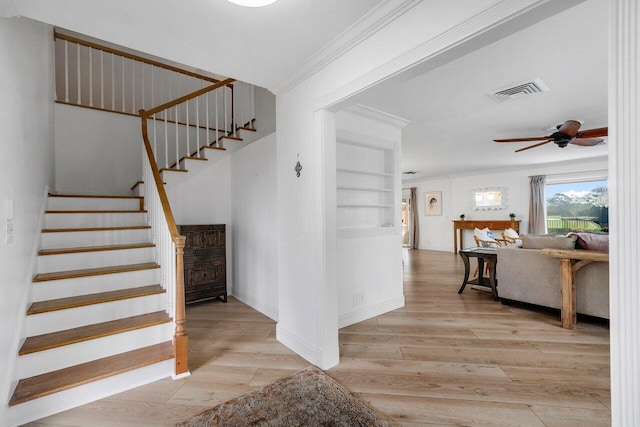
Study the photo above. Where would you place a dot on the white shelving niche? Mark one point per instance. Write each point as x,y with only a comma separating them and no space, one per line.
366,197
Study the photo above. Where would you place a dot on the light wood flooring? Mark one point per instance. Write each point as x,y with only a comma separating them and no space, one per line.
444,359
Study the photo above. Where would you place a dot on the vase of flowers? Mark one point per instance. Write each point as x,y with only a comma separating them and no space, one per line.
512,216
461,217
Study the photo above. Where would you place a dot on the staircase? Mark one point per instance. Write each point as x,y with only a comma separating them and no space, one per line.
97,324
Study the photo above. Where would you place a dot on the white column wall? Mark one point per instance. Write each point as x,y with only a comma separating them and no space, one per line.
624,187
255,225
26,148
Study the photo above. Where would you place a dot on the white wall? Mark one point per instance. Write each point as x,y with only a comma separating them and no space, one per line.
254,212
96,152
436,232
205,198
26,148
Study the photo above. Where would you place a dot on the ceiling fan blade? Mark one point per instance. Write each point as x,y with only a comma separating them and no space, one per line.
522,139
594,133
587,142
570,128
534,145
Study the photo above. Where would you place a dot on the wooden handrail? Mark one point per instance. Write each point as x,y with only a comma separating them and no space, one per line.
180,338
72,39
187,97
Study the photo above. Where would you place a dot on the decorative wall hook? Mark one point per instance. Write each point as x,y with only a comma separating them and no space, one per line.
298,168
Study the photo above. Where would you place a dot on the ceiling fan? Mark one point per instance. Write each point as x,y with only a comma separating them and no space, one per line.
567,133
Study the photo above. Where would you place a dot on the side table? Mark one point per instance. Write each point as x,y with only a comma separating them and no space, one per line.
488,255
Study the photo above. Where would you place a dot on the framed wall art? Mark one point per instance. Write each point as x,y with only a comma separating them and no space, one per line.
433,203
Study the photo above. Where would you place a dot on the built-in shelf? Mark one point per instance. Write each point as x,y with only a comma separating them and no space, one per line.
357,205
362,172
384,190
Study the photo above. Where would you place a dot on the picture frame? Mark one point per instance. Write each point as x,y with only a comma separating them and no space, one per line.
433,203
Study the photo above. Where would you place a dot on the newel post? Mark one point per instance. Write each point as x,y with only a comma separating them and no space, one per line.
180,338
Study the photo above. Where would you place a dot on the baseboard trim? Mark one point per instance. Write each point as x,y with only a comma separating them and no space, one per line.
257,304
371,311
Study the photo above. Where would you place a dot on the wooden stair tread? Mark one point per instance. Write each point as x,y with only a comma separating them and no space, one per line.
95,211
90,299
69,230
173,170
61,251
89,332
235,138
136,184
70,274
210,147
192,157
95,196
247,128
64,379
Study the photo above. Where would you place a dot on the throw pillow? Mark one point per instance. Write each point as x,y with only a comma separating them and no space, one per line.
591,241
530,241
485,238
511,233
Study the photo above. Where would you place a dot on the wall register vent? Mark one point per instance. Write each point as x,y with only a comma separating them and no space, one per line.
523,89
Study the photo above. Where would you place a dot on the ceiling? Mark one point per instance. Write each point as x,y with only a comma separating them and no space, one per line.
454,120
261,45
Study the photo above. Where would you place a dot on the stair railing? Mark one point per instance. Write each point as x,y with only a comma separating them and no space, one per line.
92,75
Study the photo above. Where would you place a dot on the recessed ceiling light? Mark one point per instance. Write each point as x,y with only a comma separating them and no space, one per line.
253,3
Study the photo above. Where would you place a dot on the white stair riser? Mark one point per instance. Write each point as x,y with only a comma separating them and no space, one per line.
43,323
80,260
58,402
53,289
73,239
214,155
93,203
53,359
193,166
84,220
174,178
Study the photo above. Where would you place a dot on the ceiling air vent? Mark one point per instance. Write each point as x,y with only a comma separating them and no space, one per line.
523,89
410,173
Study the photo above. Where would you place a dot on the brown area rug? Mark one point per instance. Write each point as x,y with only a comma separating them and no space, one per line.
306,398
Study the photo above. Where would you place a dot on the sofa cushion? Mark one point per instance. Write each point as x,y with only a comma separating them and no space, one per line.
591,241
531,241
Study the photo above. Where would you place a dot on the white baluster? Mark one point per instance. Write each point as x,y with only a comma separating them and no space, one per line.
155,147
66,71
224,92
206,103
234,107
217,128
188,127
123,98
102,79
166,141
253,106
153,89
90,77
113,82
142,70
177,142
133,86
78,67
198,123
240,98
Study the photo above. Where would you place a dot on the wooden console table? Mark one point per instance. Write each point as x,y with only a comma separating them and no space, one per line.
572,260
492,224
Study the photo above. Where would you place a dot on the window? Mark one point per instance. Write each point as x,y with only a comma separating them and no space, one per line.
577,206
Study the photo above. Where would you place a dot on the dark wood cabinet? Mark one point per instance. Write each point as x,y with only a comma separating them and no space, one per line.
205,263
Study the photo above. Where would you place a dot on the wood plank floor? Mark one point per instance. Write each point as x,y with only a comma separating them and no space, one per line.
444,359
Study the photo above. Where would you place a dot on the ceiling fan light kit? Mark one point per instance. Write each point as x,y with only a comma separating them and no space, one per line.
567,133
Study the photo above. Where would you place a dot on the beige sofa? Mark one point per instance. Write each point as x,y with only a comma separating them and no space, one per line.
526,275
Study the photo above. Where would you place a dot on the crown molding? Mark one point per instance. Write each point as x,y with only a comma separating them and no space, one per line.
384,13
377,115
8,9
488,19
